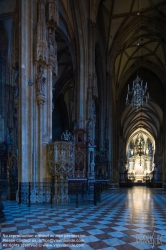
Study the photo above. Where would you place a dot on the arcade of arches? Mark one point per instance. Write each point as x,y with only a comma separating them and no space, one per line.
65,67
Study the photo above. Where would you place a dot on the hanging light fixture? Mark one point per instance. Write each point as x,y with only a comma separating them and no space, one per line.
139,93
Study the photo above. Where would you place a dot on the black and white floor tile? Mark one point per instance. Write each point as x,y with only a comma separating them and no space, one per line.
126,219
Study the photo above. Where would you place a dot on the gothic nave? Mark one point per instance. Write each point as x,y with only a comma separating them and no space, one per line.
83,115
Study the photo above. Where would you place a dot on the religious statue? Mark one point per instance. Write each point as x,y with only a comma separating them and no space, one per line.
66,136
51,42
40,81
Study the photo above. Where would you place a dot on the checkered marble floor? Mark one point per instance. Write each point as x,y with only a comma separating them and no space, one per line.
126,219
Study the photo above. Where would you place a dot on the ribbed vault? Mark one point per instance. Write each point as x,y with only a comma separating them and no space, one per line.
135,36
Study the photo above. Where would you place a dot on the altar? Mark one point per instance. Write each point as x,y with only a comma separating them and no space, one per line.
139,167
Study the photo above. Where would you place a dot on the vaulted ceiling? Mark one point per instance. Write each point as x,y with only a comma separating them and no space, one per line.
135,33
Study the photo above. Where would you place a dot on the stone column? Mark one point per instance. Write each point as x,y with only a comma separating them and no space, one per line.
25,71
40,101
46,65
92,91
52,22
114,145
49,104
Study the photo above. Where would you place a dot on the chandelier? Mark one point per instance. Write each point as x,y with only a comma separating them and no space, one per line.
139,94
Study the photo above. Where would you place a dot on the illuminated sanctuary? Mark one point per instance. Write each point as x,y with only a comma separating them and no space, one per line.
140,156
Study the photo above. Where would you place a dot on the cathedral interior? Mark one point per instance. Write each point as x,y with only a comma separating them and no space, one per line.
83,87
